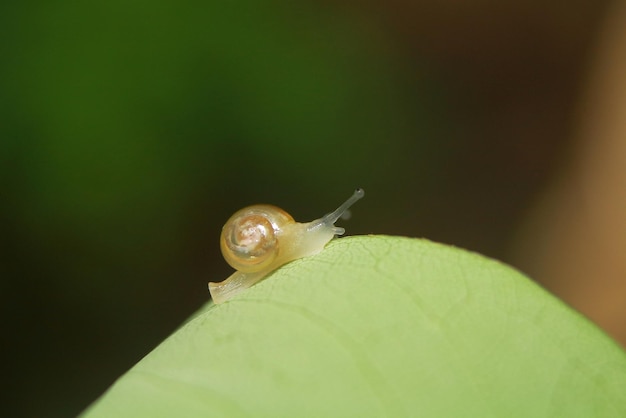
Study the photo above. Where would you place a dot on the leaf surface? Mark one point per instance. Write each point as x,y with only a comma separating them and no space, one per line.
380,326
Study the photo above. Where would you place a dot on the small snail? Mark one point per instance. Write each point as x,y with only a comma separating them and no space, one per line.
258,239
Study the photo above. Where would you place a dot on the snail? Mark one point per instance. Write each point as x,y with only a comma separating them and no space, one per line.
258,239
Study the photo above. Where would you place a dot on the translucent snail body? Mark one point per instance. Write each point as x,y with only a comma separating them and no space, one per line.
258,239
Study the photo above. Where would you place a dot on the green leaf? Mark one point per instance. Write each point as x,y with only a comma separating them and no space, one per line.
380,326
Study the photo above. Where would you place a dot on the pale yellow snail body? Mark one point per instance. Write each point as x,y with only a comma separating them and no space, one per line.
258,239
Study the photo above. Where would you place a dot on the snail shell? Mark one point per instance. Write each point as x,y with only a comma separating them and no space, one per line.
250,238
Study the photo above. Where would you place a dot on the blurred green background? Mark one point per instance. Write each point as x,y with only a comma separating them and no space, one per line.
130,131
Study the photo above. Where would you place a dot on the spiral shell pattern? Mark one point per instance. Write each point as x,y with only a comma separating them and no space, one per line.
249,240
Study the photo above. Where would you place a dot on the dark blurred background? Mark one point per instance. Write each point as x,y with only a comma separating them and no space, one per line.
131,130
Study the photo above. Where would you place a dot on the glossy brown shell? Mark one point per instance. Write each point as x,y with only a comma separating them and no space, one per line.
250,239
